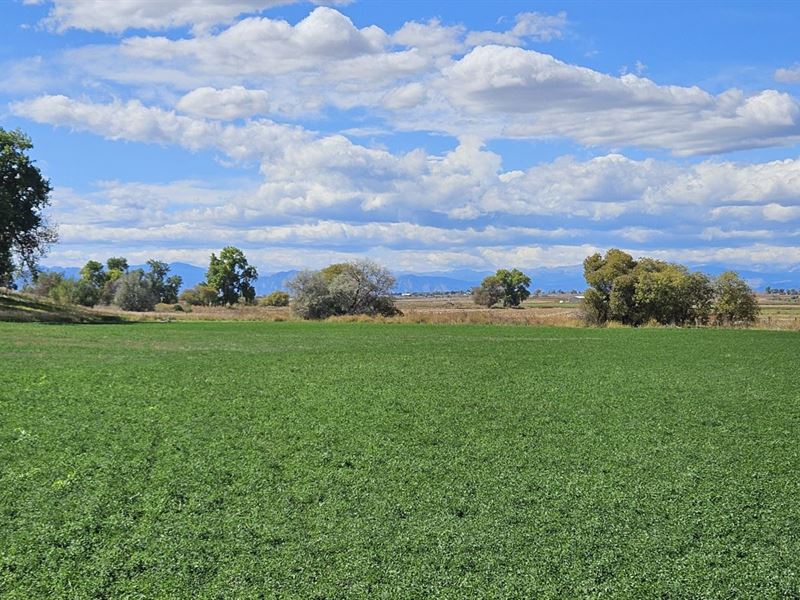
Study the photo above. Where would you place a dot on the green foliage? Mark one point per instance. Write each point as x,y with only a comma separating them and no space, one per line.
489,292
72,291
331,272
277,298
735,302
166,288
93,274
600,272
361,287
232,277
199,295
510,287
649,290
134,292
402,461
24,194
44,283
595,307
515,286
117,265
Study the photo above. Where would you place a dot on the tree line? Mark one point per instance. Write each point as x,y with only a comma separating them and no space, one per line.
635,293
112,283
632,292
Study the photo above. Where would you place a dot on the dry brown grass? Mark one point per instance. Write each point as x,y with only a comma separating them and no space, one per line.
432,310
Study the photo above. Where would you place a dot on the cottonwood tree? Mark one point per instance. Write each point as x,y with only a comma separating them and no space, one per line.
166,288
116,266
92,272
735,301
510,287
637,292
231,276
24,194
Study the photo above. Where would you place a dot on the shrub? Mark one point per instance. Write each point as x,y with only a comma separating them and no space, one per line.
44,283
361,287
135,292
278,298
488,293
199,295
71,291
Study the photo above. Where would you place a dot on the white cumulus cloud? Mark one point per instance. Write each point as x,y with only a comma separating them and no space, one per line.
231,103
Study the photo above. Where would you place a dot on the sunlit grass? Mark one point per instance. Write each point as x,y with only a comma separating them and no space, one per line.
343,460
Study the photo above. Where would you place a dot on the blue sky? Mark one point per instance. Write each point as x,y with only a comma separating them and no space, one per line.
429,136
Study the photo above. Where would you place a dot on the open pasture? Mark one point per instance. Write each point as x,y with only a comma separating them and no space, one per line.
345,460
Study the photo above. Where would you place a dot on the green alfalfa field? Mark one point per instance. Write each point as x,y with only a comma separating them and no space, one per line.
359,460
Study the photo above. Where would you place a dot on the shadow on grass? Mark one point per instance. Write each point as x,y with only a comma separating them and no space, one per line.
20,308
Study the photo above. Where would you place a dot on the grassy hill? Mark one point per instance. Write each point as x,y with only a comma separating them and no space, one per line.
24,308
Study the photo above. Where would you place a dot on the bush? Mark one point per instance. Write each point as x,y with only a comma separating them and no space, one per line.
199,295
44,283
735,302
361,287
488,293
135,292
71,291
278,298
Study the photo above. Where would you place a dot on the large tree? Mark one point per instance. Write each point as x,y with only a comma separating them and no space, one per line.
24,194
231,276
166,288
735,301
649,290
509,286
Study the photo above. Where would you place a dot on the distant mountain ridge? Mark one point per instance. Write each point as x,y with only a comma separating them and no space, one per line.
545,279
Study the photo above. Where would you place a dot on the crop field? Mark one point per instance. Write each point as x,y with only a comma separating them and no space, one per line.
348,460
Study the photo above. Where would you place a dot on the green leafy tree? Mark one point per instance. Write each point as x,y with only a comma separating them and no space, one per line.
735,302
612,282
89,289
44,283
94,274
601,271
172,286
647,290
166,288
515,286
116,267
24,194
74,291
232,277
510,287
